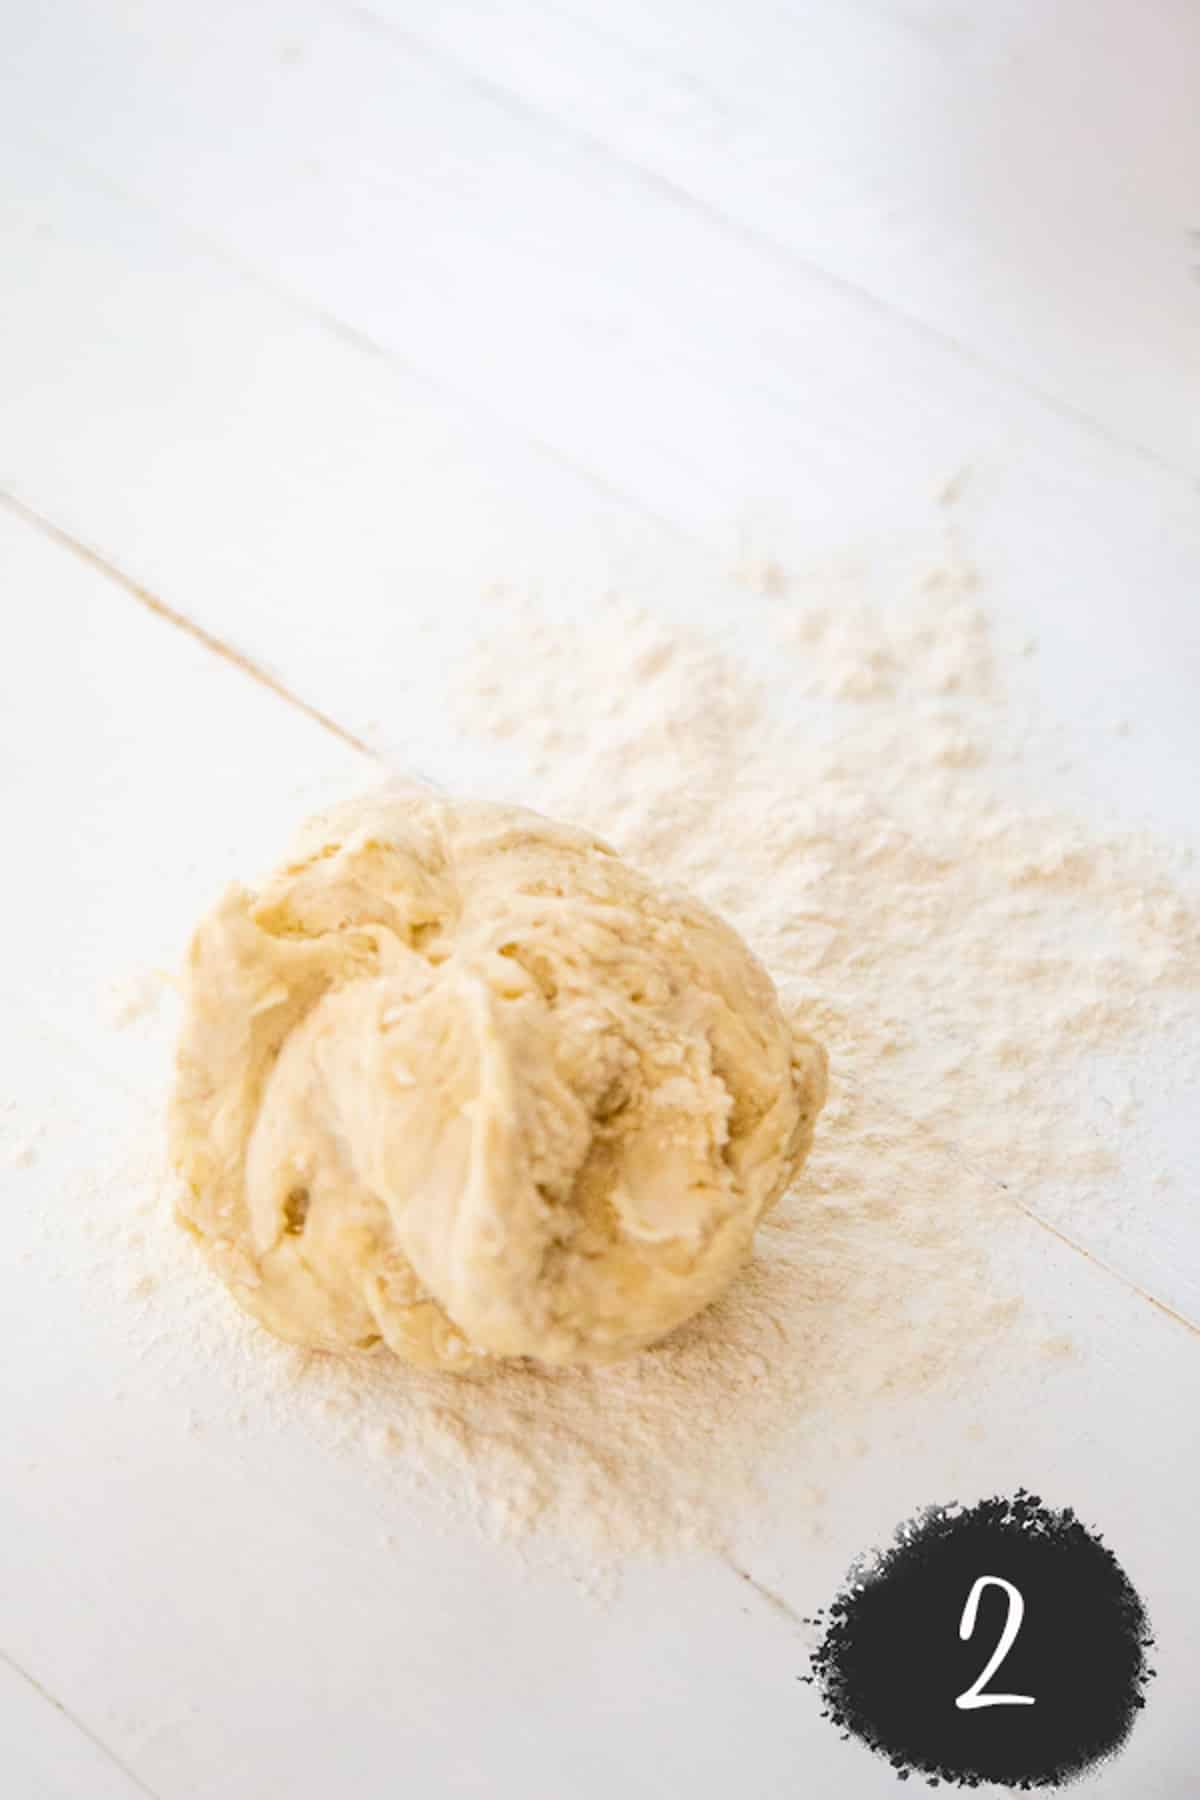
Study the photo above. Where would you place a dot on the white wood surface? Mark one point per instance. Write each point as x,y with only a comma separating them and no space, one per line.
318,321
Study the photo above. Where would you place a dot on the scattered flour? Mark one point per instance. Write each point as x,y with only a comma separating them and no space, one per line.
138,996
963,959
18,1137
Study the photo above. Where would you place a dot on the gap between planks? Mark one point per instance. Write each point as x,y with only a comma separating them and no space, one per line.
86,1731
208,640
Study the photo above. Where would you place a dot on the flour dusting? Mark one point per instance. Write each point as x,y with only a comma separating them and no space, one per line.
842,796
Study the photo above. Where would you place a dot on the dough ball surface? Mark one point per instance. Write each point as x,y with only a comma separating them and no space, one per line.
458,1079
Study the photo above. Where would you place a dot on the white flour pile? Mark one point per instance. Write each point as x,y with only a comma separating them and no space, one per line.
962,961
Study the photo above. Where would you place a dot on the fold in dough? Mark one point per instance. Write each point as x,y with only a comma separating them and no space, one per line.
458,1079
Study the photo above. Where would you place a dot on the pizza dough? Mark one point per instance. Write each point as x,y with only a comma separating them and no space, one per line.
458,1080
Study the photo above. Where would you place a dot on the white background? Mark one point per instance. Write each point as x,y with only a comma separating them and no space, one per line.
312,312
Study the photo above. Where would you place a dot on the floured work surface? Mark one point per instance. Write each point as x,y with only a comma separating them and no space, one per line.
196,1494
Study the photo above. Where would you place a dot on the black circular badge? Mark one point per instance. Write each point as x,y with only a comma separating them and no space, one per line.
1000,1642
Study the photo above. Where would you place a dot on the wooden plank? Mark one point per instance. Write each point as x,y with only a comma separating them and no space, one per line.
144,769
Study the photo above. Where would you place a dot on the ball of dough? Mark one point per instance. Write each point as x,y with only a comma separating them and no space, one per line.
459,1079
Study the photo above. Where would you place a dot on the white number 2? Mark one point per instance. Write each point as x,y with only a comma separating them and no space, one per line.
974,1695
